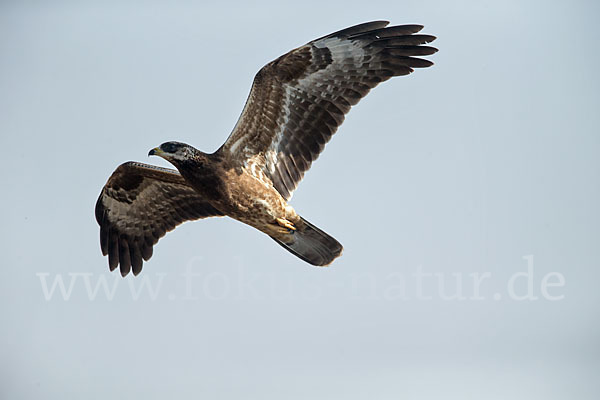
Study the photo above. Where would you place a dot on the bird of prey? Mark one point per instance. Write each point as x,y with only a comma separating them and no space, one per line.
296,104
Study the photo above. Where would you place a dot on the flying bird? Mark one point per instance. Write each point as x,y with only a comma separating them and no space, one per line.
296,104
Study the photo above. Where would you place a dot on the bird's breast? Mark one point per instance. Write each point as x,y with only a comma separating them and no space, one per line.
250,197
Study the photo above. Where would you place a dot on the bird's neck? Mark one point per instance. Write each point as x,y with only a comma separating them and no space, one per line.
202,174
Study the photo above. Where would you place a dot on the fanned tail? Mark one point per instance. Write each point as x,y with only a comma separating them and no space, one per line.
312,245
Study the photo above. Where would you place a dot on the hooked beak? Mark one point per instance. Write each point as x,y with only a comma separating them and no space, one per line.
156,152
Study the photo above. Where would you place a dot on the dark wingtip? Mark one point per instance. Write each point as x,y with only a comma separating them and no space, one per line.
429,38
357,29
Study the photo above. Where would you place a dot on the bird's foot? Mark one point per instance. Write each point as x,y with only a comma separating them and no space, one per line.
286,224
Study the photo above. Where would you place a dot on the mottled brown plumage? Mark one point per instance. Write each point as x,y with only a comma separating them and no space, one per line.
137,206
296,104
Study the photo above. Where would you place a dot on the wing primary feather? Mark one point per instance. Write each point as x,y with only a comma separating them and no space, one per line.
356,29
104,239
391,31
146,252
404,40
408,62
124,256
113,250
136,258
407,50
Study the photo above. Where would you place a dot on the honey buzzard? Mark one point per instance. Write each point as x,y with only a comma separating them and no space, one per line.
296,104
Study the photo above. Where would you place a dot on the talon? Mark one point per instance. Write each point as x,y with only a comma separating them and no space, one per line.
286,224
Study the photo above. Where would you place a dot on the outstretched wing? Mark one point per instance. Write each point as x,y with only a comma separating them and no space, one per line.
298,101
137,206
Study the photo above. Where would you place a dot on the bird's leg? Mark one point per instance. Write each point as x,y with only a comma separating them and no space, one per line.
286,224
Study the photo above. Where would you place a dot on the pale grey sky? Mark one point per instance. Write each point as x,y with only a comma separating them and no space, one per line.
481,172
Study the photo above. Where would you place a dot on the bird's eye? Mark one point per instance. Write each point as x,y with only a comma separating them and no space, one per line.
169,147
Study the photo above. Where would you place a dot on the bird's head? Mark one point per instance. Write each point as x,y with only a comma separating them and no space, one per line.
174,152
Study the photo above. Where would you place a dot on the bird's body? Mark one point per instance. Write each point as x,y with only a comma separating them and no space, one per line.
239,192
296,104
